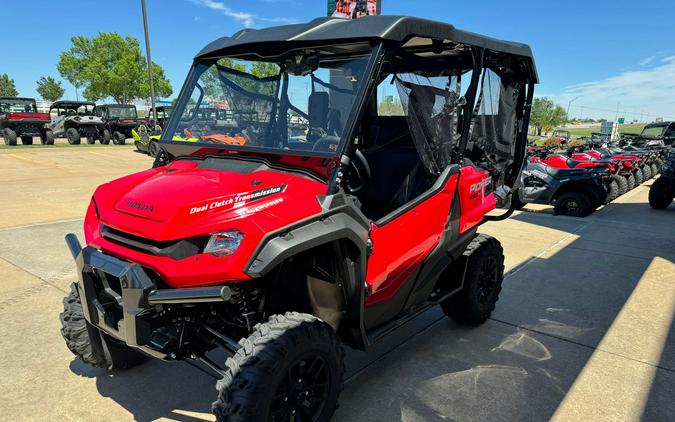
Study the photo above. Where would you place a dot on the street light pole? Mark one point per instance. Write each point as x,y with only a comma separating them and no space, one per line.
149,59
570,105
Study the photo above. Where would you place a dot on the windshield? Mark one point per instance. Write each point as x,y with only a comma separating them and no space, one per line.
302,103
653,132
122,112
17,106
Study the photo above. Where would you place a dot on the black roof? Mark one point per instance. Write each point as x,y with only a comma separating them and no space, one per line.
68,103
337,30
658,124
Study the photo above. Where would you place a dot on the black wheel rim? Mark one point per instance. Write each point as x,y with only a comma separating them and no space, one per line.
487,280
302,394
571,207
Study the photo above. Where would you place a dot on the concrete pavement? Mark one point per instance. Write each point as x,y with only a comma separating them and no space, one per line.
583,331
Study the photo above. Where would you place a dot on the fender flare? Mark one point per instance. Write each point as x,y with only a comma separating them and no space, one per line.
340,220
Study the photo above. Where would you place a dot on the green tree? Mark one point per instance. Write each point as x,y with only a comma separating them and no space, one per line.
7,87
111,66
49,88
546,115
214,89
390,107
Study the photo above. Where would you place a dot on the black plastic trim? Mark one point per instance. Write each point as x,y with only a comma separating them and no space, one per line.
176,250
436,188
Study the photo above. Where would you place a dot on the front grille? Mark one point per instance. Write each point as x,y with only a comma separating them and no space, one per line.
176,249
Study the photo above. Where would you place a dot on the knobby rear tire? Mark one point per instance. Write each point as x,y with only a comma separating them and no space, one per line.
474,303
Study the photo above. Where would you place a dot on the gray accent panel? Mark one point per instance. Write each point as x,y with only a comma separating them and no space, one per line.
306,237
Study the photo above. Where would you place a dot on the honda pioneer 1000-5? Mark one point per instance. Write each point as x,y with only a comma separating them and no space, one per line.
279,245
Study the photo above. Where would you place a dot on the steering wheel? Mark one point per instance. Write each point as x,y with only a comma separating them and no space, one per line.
326,144
358,174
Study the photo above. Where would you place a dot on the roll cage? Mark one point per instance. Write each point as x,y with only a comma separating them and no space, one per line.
104,110
400,46
72,107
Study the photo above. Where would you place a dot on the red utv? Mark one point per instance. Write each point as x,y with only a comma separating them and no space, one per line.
282,249
19,118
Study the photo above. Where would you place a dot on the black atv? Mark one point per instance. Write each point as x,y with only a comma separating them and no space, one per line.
120,120
573,192
663,190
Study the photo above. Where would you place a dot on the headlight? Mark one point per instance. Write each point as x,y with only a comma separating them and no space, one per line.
224,243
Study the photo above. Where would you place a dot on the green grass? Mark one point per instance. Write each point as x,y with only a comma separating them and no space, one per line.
576,133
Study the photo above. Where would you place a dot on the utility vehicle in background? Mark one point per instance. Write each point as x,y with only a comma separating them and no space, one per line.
120,120
163,114
278,250
654,135
76,119
19,119
662,191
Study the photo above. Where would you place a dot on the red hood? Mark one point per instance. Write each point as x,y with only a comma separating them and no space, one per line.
183,200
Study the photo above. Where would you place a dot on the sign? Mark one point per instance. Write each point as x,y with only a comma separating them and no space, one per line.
622,120
354,9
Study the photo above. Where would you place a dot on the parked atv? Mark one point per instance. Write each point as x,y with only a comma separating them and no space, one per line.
572,192
621,170
280,252
561,161
74,119
662,190
19,118
120,120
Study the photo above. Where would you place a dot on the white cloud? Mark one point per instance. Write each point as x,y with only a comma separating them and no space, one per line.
248,19
646,92
648,60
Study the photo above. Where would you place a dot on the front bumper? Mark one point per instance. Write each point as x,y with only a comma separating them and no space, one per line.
120,299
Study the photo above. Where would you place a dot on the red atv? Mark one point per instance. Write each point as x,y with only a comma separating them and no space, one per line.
622,167
560,161
283,247
19,118
646,163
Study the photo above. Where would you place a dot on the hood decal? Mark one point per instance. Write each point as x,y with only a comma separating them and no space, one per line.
238,200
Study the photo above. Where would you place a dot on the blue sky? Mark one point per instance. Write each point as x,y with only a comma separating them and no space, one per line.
609,54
